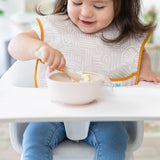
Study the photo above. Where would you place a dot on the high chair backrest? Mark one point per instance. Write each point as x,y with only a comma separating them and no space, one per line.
21,74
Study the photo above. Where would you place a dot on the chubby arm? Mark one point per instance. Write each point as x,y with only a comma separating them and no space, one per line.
24,46
21,47
146,73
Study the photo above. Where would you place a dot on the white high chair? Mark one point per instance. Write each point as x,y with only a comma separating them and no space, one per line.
21,74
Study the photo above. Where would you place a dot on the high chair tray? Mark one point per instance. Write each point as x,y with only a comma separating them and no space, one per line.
123,103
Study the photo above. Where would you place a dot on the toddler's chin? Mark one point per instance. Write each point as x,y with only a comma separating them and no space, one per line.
87,31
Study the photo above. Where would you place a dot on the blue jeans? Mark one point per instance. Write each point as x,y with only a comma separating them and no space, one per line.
108,138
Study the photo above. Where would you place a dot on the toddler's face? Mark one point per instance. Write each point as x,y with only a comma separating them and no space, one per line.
91,15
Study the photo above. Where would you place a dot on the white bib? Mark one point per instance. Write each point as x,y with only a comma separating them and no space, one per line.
87,52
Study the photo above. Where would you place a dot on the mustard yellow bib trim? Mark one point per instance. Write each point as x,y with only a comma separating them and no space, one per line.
37,61
123,78
140,57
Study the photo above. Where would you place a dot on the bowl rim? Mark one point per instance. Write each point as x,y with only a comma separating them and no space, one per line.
73,83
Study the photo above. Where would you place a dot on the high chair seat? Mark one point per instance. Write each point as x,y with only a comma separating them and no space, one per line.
21,74
72,150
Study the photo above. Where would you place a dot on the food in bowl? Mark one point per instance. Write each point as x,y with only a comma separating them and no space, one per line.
63,89
85,77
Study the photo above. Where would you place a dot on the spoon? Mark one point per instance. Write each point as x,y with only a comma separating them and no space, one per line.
72,74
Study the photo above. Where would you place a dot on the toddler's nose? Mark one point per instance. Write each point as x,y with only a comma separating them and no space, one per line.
86,12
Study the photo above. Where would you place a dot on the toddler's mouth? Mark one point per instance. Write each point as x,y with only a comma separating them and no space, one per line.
86,22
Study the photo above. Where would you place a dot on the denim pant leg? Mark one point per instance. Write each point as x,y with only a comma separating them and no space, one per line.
40,138
109,140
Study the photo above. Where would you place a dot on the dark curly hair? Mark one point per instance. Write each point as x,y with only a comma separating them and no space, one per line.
126,19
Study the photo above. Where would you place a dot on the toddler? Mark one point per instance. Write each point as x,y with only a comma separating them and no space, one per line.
103,36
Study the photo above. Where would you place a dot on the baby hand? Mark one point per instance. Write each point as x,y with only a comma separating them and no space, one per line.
51,57
150,76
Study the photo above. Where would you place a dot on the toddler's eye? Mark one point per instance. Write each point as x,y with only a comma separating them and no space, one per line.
76,4
97,7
